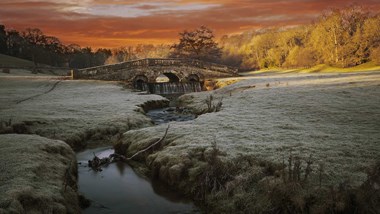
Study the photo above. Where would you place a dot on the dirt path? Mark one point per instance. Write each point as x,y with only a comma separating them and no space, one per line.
37,95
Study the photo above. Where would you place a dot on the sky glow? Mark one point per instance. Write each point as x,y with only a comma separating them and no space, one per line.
114,23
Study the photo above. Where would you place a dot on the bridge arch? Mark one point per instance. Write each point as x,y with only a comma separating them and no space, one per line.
141,82
193,78
172,77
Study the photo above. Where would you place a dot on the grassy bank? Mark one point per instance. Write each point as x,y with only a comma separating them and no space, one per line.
280,143
38,175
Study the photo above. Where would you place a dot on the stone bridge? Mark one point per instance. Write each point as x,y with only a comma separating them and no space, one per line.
147,70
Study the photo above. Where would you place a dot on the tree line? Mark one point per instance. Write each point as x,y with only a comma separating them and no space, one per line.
340,37
32,44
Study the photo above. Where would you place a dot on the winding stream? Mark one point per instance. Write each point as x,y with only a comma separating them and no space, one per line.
165,115
118,189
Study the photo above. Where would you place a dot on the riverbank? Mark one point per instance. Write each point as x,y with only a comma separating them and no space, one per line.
83,114
296,134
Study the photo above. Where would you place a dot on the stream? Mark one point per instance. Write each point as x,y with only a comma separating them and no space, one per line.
165,115
118,189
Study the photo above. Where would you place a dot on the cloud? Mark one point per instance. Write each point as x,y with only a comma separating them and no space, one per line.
113,23
140,9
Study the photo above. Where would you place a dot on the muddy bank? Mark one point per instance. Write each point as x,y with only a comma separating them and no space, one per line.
292,135
38,175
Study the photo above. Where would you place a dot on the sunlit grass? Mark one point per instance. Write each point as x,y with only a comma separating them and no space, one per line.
322,68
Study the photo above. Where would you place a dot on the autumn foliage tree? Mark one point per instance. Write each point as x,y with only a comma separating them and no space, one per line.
339,37
197,44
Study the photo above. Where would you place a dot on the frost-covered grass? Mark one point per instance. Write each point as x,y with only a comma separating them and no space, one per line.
332,117
38,175
75,111
335,118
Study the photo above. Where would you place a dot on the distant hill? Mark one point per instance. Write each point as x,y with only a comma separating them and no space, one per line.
10,61
25,67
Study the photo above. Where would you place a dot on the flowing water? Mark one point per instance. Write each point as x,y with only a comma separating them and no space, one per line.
165,115
118,189
170,87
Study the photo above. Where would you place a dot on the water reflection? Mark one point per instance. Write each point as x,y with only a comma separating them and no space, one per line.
117,189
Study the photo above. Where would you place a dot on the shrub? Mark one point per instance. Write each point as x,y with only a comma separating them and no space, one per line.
375,55
214,175
250,186
211,105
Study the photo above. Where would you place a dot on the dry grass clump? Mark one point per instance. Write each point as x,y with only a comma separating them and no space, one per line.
220,83
212,176
6,70
209,85
212,105
6,127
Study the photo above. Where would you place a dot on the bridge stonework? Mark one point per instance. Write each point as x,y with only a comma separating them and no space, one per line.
147,70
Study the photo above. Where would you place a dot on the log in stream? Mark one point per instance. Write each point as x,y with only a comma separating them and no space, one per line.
96,163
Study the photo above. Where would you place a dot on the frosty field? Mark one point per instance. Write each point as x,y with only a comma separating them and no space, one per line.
332,119
74,111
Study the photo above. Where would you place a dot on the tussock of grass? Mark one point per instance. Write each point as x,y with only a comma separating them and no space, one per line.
32,173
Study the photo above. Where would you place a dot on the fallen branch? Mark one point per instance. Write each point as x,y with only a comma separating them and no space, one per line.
96,163
147,148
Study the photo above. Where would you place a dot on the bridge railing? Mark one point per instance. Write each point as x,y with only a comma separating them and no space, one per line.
165,62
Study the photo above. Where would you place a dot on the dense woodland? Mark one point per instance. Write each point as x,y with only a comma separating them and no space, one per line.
340,37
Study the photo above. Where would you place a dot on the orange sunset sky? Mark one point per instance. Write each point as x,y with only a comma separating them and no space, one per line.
114,23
